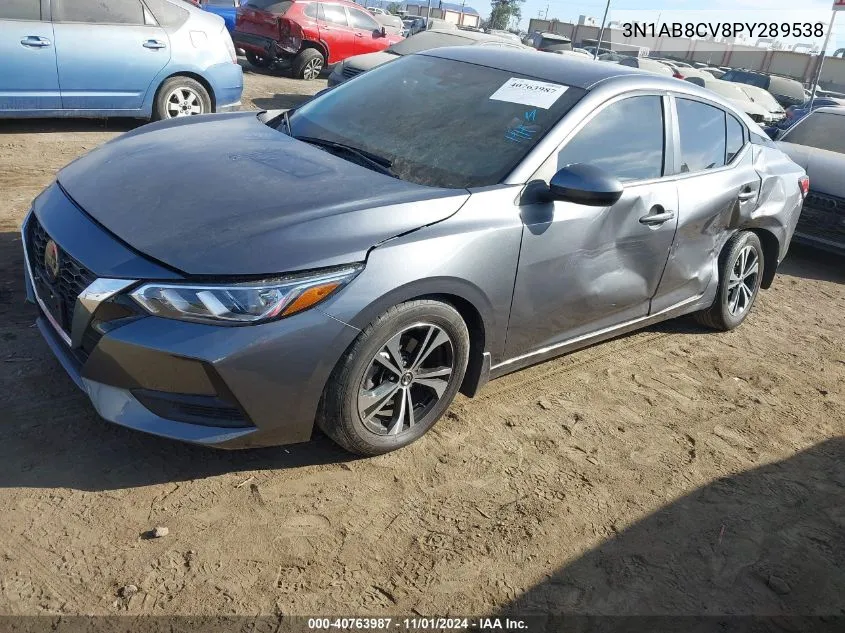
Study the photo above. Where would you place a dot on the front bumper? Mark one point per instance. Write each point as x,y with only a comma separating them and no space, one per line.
227,387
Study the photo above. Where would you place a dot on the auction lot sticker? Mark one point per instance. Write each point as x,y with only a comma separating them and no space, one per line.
539,94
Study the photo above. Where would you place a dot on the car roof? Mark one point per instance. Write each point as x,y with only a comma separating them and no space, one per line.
469,35
563,69
840,110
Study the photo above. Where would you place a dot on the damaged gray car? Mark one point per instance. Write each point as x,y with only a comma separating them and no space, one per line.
353,264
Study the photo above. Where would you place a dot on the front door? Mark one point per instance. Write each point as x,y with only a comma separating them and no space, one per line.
28,77
368,37
583,269
108,53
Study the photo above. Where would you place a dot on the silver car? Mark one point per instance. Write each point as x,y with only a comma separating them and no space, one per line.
327,266
817,143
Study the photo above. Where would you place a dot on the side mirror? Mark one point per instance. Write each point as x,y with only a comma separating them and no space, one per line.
383,32
585,184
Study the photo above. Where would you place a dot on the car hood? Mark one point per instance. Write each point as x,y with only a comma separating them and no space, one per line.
368,61
824,168
227,195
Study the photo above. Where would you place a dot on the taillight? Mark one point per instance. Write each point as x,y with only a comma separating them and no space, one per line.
677,75
804,184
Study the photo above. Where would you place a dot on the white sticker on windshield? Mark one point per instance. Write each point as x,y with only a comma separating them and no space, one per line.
539,94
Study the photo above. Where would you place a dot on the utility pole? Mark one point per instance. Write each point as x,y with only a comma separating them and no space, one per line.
546,16
838,5
601,30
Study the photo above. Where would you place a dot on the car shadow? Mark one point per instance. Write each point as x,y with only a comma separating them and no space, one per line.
767,542
812,263
54,126
50,436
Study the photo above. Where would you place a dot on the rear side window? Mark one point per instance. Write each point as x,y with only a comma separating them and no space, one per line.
167,13
311,10
821,130
609,140
702,130
335,14
20,10
736,138
99,11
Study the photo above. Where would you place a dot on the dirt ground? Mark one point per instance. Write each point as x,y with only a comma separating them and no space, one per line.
672,471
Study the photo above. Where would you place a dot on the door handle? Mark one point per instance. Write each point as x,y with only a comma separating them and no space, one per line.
746,195
655,219
154,44
359,35
34,41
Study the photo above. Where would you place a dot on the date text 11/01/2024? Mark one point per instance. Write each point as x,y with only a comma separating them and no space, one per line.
725,29
418,624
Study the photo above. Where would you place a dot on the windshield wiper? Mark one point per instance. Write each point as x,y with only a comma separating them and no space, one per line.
374,161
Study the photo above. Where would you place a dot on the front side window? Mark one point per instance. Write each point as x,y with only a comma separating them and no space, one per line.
20,10
702,130
625,139
99,11
472,125
361,20
335,14
822,130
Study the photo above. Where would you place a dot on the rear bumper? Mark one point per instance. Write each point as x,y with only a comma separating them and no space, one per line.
822,222
227,82
262,46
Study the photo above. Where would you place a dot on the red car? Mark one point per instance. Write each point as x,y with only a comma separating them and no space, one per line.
306,35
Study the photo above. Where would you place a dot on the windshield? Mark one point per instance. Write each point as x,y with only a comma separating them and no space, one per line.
761,81
822,130
427,40
445,124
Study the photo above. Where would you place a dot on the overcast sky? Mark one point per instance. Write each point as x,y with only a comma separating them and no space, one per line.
684,10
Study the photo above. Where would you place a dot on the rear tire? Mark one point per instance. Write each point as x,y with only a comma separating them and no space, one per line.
397,379
741,267
308,64
181,96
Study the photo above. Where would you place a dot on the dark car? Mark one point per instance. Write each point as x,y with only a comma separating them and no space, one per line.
325,266
305,36
226,9
548,42
796,113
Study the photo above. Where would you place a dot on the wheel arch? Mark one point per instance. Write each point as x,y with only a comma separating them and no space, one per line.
470,302
771,249
319,46
190,75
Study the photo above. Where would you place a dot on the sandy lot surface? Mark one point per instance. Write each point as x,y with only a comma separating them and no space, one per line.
670,471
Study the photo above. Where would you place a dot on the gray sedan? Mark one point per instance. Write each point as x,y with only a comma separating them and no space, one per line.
324,267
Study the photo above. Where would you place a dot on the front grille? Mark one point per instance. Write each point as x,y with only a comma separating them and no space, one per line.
349,71
59,295
823,217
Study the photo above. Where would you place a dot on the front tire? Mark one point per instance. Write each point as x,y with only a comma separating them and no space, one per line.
741,266
397,379
308,64
180,97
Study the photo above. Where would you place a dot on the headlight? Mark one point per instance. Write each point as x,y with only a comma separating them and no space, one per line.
243,303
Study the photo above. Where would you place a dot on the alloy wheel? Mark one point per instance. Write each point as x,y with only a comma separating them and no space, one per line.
183,102
743,281
312,69
406,379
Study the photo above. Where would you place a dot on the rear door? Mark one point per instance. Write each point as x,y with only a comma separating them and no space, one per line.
107,53
368,37
336,32
717,183
28,77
